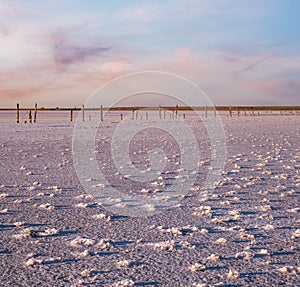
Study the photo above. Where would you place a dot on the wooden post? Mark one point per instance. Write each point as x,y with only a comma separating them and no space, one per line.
132,115
35,113
71,115
101,113
230,111
136,115
121,117
245,113
176,111
147,116
83,113
238,112
18,114
29,116
159,112
173,115
164,114
206,111
183,115
215,111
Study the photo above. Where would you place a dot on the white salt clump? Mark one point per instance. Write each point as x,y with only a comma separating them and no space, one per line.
233,274
236,214
82,205
29,173
85,272
123,263
225,202
22,167
25,233
269,227
85,253
289,269
164,245
203,231
47,206
124,283
19,223
187,245
266,208
49,232
264,252
202,211
296,234
3,195
102,216
80,241
104,244
221,241
244,235
197,267
32,261
30,188
5,210
84,196
244,255
149,207
213,257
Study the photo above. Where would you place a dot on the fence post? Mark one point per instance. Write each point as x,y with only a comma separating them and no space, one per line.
83,113
29,116
18,114
176,111
71,115
159,112
230,111
35,113
101,113
206,111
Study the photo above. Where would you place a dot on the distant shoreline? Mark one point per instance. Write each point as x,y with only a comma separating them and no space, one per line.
171,108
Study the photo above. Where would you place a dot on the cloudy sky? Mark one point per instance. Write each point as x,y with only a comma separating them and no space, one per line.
57,52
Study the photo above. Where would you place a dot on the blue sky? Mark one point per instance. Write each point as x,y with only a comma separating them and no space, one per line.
57,53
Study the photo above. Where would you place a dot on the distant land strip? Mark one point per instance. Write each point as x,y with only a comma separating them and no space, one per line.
171,108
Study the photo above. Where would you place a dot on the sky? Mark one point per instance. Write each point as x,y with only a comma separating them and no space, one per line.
57,53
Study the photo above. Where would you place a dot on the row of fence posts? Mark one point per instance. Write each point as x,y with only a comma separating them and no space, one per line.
135,113
29,114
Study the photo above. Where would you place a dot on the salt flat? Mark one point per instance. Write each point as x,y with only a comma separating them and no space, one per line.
247,233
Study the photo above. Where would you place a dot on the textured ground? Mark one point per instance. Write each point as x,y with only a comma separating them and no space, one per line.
246,234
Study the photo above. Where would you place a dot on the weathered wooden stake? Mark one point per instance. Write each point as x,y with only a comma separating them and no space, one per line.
159,112
245,114
176,111
83,113
132,115
230,111
136,115
121,117
238,113
18,114
101,113
164,114
206,111
29,116
147,116
35,113
90,117
183,115
71,115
